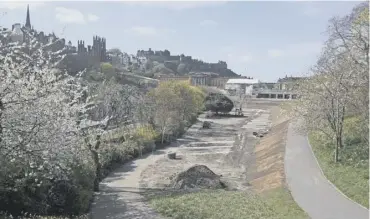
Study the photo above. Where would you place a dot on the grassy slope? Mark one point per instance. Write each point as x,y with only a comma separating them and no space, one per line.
274,204
350,179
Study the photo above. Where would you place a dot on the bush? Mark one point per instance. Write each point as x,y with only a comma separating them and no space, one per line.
217,102
33,193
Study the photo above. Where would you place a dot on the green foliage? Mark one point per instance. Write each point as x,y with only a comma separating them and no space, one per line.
149,75
182,69
176,103
42,195
355,151
145,133
217,102
30,216
161,68
229,205
353,167
107,68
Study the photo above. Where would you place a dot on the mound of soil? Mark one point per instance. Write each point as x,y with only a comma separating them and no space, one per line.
198,177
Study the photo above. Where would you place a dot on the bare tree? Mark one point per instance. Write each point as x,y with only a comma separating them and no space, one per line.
350,35
339,84
324,99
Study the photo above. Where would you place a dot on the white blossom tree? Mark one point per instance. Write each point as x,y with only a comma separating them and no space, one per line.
39,136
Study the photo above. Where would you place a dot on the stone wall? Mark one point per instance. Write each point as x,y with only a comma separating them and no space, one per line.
78,62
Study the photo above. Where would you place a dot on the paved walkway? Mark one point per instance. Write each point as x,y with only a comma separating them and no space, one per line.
120,196
309,187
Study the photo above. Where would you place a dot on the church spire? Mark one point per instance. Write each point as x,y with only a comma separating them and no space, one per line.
28,20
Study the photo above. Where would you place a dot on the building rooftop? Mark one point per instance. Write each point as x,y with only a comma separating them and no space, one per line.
290,79
242,81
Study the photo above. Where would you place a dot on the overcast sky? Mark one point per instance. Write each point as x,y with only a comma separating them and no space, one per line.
266,40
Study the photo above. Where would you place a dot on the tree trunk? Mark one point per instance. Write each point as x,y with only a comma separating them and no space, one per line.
97,170
1,113
140,149
337,146
153,147
162,137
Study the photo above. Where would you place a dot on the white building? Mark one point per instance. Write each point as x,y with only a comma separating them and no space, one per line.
240,85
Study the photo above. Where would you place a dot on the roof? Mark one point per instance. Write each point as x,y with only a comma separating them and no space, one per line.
290,79
242,81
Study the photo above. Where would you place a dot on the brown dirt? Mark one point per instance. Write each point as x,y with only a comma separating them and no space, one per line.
269,154
208,147
199,177
260,165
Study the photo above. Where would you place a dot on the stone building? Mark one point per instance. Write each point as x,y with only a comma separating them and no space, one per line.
162,78
288,83
219,82
17,33
77,59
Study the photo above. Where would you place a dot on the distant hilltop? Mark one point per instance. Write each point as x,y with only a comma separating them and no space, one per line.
180,64
145,62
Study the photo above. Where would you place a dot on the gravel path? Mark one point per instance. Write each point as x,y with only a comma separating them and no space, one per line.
120,196
309,187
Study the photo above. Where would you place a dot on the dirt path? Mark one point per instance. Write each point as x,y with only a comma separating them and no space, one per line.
121,196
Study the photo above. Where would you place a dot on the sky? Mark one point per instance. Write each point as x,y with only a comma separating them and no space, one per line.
265,40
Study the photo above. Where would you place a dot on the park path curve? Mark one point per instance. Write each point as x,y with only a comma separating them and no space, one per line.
121,196
310,188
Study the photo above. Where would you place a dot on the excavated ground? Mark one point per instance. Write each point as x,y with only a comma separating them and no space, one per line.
227,148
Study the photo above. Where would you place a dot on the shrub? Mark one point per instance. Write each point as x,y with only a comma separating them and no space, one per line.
32,192
217,102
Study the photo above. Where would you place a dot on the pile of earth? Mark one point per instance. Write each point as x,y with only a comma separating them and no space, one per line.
198,177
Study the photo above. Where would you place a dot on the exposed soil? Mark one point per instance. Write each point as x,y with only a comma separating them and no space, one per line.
227,148
269,154
197,177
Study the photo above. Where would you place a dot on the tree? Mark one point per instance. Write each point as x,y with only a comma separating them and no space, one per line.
148,65
324,99
350,34
166,108
39,136
191,98
182,69
113,106
115,52
217,102
339,85
144,134
175,104
107,69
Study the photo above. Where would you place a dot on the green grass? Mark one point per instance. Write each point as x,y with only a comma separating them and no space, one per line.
277,204
351,179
